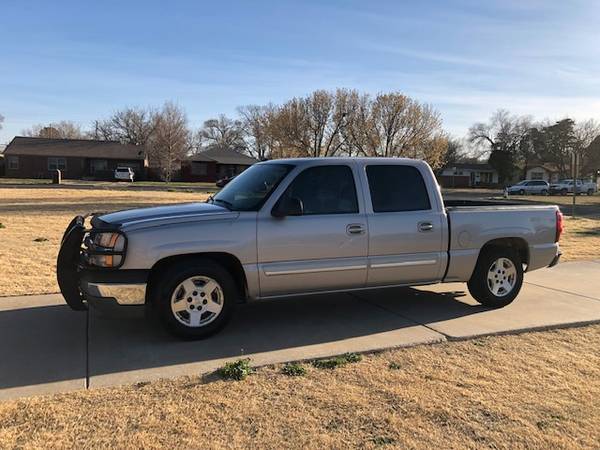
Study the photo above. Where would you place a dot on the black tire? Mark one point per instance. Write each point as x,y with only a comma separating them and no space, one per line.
478,284
181,271
563,192
544,192
521,192
590,192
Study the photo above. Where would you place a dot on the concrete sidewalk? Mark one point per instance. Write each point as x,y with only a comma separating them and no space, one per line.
45,347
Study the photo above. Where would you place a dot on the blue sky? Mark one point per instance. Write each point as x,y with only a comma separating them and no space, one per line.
82,60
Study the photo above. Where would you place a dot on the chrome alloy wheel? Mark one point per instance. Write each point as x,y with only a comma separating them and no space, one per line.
197,301
502,277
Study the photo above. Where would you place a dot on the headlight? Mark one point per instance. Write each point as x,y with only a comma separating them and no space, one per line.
106,249
113,241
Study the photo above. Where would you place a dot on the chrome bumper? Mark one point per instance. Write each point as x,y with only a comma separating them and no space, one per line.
122,293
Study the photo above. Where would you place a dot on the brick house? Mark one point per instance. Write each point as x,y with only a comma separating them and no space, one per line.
462,175
31,157
214,164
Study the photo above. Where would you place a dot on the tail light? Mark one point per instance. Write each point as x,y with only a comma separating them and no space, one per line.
560,226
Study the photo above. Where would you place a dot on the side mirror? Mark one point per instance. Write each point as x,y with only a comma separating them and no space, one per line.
291,206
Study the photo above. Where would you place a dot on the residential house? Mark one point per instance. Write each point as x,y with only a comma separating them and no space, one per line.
214,164
462,175
543,171
32,157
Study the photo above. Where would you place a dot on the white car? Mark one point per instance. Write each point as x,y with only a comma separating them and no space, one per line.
124,173
528,187
564,187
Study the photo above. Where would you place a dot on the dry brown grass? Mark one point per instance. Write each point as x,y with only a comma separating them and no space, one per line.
28,267
537,390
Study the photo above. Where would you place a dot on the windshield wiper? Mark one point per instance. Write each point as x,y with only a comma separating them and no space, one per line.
227,204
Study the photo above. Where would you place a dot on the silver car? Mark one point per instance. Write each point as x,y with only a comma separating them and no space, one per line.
530,187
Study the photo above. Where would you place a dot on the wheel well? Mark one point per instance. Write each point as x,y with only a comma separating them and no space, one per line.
519,244
226,260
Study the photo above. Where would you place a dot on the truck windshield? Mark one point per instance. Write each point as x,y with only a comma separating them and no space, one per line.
251,189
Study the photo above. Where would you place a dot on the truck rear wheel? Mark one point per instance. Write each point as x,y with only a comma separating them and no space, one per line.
195,299
497,278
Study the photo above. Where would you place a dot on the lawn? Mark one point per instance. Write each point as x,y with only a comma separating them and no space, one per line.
33,220
536,390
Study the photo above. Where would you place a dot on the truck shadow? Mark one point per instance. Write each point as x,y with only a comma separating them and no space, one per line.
56,349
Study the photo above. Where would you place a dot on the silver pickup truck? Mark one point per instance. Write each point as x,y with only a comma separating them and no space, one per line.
302,226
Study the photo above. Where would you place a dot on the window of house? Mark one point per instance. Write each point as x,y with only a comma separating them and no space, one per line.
13,162
325,190
485,177
397,188
57,164
199,168
98,165
537,175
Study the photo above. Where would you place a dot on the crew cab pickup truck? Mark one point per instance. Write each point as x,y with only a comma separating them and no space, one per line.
564,187
302,226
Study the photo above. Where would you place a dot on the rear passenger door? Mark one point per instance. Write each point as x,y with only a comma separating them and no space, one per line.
405,227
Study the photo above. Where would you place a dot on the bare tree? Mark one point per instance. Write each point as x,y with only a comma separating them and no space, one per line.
130,125
1,120
510,138
221,132
170,141
57,130
312,125
393,124
256,124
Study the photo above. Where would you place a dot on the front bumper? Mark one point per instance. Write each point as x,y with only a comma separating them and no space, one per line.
81,284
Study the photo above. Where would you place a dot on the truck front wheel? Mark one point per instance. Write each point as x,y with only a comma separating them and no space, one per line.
195,299
497,278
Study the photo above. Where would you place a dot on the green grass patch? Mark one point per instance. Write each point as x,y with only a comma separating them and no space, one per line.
393,365
294,370
338,361
236,370
2,225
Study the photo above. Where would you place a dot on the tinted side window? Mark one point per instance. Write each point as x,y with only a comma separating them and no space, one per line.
325,190
397,188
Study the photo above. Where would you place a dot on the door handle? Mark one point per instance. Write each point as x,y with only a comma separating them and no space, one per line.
355,228
425,226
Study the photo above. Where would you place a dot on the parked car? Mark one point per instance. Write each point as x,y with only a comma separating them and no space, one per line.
224,181
564,187
529,187
124,173
302,226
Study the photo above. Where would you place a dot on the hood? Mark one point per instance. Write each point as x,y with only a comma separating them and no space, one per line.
155,214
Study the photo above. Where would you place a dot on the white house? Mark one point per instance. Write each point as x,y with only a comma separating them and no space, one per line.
468,175
546,172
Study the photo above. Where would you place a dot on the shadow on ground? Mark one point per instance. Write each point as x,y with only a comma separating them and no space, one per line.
129,344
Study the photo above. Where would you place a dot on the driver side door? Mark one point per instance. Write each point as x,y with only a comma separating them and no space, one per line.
324,248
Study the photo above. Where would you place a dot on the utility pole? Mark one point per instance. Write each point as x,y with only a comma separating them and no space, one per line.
574,173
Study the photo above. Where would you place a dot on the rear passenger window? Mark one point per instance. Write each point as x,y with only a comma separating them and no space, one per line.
397,188
325,190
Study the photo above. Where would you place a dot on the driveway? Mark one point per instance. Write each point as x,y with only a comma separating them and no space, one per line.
45,347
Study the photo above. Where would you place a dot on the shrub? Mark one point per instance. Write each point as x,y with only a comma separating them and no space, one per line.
236,370
294,370
338,361
395,366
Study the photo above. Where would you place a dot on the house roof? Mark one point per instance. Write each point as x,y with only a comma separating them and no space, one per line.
84,148
224,156
472,166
